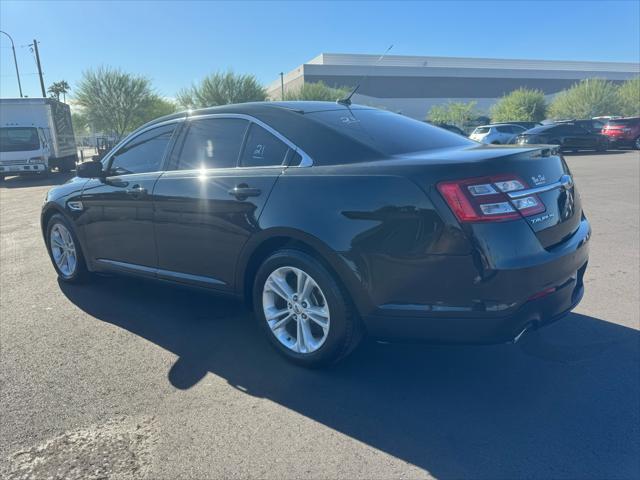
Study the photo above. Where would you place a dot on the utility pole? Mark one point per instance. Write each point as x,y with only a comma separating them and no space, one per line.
15,61
35,49
282,86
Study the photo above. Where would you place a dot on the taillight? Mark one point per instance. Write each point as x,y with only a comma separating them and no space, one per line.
484,200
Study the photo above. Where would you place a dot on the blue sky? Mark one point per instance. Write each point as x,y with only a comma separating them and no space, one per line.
176,43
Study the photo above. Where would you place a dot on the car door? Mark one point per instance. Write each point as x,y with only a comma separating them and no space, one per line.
208,207
117,221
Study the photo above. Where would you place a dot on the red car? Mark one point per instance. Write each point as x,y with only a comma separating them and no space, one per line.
623,132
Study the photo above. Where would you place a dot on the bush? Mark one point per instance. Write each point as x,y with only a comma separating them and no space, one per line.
522,104
589,98
222,89
454,113
317,91
629,98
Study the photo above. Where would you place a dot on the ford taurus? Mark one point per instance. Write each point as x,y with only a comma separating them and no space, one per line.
332,221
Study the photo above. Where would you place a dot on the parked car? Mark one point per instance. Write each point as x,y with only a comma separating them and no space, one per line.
623,132
451,128
499,134
332,221
524,124
567,135
591,125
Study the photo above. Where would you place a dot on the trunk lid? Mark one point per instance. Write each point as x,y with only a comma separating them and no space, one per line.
542,171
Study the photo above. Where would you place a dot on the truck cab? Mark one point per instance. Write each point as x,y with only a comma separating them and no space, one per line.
23,149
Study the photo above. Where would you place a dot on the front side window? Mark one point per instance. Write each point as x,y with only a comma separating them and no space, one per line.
262,149
143,153
212,143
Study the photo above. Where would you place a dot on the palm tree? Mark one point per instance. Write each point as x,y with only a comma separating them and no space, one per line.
59,88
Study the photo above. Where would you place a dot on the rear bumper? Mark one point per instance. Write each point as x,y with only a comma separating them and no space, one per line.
482,329
536,295
620,141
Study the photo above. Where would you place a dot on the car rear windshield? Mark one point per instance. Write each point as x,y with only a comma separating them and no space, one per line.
19,139
389,133
623,121
482,130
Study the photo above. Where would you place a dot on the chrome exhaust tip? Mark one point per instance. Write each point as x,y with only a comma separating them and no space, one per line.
526,328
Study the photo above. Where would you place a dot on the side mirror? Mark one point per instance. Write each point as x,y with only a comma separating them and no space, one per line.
91,169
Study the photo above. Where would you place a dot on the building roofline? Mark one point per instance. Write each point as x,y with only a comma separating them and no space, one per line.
347,59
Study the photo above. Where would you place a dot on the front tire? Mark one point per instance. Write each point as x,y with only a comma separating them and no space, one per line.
64,250
304,311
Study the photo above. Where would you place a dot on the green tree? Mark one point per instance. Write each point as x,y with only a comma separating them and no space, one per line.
317,91
629,97
590,98
222,88
455,113
157,107
80,124
114,101
522,104
59,88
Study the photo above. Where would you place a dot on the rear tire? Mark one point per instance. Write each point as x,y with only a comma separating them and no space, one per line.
62,243
67,164
304,311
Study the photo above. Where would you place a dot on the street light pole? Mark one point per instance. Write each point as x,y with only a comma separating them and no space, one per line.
15,61
282,86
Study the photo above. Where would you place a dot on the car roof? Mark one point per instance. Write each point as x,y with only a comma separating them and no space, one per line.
257,108
323,144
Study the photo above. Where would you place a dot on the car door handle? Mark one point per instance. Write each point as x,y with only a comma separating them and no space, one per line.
244,191
137,191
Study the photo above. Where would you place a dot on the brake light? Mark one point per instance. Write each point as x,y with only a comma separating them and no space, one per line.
484,199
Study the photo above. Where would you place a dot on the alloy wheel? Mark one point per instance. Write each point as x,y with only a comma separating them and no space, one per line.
296,309
63,250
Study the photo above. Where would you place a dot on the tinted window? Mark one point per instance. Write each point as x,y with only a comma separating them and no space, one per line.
388,132
504,129
19,139
262,149
143,153
212,143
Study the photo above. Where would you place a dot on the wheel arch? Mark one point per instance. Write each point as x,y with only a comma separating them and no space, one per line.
260,247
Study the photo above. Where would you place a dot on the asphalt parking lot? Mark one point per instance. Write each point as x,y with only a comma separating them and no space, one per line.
130,379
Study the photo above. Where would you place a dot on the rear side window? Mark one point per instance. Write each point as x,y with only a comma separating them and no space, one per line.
143,153
262,149
212,143
387,132
504,129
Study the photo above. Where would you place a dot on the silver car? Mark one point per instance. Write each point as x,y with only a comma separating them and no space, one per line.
498,134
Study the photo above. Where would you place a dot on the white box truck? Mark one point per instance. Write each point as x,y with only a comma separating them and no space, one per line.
36,136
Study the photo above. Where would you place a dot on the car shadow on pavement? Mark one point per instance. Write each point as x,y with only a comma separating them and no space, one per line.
37,180
562,403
